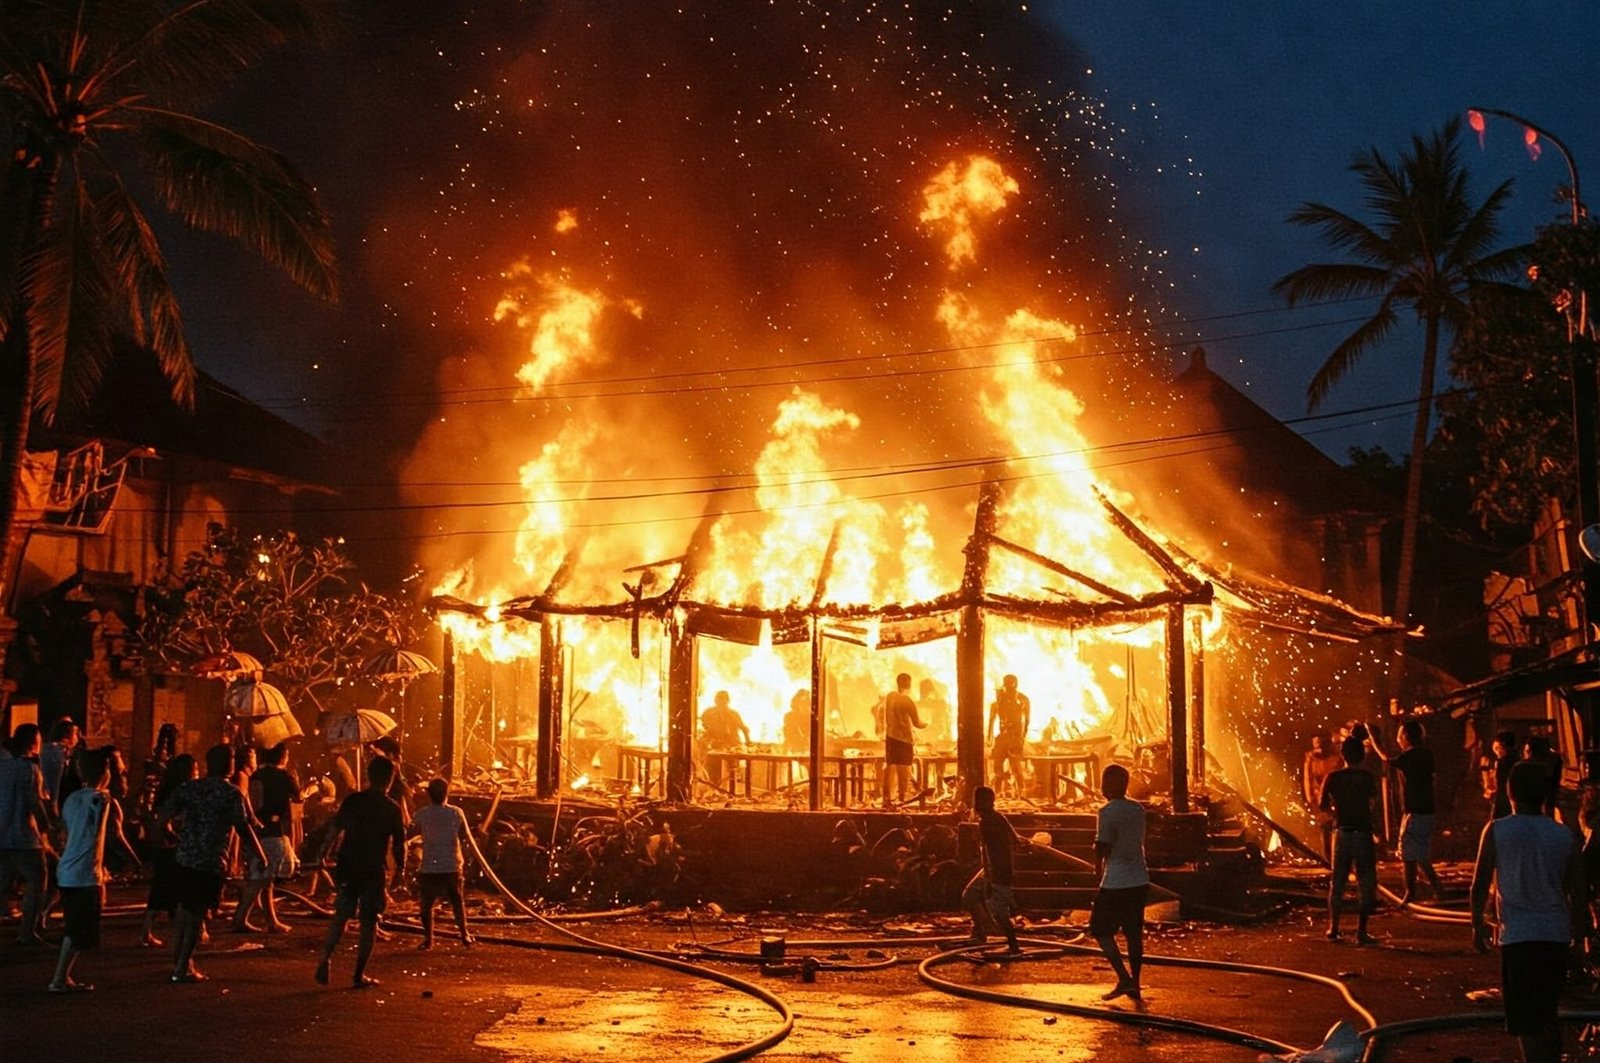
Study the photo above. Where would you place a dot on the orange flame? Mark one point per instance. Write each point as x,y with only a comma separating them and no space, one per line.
958,195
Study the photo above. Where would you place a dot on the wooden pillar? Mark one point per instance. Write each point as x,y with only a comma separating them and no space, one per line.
680,713
1177,710
970,700
450,747
1197,701
144,728
819,715
547,760
970,688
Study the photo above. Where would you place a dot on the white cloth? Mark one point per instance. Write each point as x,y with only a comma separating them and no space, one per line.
1530,870
83,859
442,828
1121,829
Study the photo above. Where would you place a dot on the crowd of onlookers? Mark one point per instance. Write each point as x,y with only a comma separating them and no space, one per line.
66,816
1531,892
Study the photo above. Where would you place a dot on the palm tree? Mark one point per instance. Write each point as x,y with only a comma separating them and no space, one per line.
1426,247
87,90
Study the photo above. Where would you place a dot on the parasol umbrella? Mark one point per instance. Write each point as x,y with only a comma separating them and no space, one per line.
397,665
254,700
268,731
357,728
229,664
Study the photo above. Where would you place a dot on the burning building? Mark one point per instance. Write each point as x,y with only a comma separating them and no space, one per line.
935,460
812,584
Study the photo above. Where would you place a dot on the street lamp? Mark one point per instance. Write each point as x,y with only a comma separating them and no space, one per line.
1574,307
1530,136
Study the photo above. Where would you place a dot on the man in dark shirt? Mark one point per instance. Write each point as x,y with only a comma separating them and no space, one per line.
1414,762
370,826
211,810
274,793
989,896
1350,794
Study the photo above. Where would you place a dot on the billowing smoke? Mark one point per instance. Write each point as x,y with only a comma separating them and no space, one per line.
692,216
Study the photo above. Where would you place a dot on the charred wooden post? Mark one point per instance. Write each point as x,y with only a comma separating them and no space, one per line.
1177,710
970,699
818,716
449,712
680,712
1197,699
547,760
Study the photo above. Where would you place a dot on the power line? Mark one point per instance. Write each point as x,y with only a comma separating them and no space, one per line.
374,406
858,473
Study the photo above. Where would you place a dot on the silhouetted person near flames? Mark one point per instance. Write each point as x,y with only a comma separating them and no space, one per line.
932,703
1350,794
1414,762
1537,749
899,740
1321,761
1008,727
797,723
721,728
1497,773
988,896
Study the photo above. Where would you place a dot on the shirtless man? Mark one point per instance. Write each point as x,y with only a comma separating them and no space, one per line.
1008,729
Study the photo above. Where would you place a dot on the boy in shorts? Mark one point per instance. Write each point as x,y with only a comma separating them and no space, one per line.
90,816
441,826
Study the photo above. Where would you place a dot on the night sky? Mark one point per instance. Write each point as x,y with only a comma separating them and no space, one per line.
749,174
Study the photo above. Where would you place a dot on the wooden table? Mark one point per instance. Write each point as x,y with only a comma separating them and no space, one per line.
638,764
848,778
1052,766
931,770
740,763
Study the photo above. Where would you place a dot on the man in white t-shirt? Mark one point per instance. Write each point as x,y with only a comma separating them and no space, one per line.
1537,870
89,815
1124,881
442,826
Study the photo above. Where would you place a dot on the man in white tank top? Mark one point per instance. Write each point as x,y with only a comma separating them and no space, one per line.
1539,891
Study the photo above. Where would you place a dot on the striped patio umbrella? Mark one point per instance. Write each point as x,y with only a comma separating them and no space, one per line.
397,665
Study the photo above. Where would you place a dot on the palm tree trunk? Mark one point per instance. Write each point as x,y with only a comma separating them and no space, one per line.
1412,514
21,372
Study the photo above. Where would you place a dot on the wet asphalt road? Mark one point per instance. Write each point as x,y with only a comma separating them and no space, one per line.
496,1002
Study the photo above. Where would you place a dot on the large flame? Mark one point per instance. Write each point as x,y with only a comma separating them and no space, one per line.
810,536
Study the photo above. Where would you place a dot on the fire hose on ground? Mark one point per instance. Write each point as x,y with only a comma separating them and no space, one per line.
1373,1039
596,946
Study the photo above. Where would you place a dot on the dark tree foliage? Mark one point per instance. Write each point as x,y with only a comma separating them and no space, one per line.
290,603
1507,430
